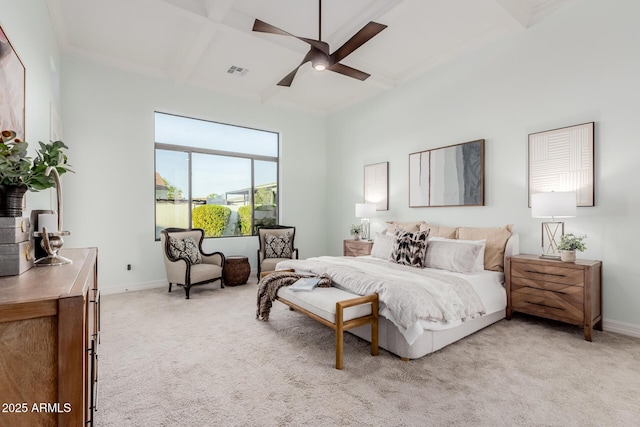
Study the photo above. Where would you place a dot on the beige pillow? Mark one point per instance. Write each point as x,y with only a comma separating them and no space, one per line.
439,230
411,227
496,241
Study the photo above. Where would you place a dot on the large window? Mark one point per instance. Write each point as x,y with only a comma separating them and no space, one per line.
221,178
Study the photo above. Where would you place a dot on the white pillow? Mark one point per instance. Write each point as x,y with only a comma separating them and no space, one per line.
462,256
382,245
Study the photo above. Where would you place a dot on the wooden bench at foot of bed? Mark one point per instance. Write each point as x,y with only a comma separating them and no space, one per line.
340,310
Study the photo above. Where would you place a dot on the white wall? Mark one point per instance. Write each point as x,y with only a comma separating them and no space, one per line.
109,202
578,66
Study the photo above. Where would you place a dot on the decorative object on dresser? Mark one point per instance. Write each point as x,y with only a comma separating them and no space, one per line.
364,211
569,244
376,185
276,244
563,159
357,247
52,237
49,329
186,263
16,246
566,292
553,204
355,231
236,270
447,176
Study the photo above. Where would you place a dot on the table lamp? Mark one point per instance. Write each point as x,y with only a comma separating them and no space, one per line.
553,204
364,211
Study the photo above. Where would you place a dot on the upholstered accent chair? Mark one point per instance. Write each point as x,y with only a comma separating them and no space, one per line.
186,263
276,244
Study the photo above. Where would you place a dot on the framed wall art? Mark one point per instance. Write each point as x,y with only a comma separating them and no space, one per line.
376,185
447,176
12,87
562,160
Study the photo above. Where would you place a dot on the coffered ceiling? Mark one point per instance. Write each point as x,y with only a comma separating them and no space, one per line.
197,42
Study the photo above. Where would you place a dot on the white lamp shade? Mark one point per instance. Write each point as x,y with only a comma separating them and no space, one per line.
365,210
554,204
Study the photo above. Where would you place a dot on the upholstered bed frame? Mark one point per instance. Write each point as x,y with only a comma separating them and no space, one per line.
390,338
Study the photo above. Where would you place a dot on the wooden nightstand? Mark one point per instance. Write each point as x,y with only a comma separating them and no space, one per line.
567,292
357,247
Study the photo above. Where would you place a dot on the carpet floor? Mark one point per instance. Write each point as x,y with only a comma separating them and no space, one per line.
168,361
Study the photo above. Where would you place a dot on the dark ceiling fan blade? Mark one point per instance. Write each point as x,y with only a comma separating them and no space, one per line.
365,34
288,79
262,27
348,71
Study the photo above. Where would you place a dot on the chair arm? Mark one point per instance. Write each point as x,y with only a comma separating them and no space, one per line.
216,258
295,251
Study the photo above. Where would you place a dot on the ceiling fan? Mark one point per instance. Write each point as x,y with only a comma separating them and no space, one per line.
319,52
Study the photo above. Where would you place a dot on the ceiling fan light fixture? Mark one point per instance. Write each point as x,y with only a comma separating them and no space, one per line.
319,61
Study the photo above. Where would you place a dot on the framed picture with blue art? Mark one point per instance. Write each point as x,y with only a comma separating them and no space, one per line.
447,176
12,86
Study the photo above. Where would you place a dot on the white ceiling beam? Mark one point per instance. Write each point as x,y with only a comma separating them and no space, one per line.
518,13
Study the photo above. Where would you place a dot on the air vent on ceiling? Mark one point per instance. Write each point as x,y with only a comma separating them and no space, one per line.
237,71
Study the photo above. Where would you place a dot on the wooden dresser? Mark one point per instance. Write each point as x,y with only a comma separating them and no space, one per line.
49,331
563,291
357,247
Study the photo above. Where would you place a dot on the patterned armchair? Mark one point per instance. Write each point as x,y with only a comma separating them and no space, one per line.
186,263
276,244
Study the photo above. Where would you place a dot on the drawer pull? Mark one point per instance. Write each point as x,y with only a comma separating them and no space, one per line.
544,305
542,289
548,274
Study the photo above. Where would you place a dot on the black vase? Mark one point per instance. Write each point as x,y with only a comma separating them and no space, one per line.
11,197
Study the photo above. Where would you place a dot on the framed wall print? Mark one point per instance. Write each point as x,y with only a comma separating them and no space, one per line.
447,176
12,86
376,185
562,160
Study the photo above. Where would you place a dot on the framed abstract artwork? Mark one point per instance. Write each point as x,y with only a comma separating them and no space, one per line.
376,185
447,176
12,87
562,160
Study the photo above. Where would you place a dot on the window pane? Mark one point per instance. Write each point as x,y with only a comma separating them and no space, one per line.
188,132
172,187
221,187
266,193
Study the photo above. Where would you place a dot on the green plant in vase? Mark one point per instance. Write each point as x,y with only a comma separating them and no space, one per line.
20,173
356,230
569,244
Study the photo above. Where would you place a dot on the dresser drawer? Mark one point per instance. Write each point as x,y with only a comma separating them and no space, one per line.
549,273
566,306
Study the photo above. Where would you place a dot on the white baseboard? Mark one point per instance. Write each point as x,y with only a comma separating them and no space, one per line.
134,287
146,285
621,328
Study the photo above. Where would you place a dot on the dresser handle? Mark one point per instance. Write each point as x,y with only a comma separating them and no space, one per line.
544,305
547,274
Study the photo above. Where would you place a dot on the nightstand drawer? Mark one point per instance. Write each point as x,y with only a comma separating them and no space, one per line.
548,273
566,306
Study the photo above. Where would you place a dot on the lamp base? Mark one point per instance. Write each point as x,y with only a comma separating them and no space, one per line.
551,231
52,260
557,257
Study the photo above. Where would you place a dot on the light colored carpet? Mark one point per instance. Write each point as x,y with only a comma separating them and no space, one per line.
167,361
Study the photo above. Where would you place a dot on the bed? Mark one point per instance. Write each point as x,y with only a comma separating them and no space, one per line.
457,291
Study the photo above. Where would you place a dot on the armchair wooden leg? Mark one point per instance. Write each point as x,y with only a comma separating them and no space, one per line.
169,286
186,290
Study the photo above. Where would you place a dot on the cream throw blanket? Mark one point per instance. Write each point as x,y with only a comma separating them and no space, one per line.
409,294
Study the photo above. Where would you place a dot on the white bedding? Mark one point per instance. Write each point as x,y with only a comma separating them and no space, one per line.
464,297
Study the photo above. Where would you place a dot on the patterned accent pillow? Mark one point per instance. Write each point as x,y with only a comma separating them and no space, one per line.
277,246
410,248
187,248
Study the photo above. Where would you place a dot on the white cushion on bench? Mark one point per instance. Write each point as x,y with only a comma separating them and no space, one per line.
322,301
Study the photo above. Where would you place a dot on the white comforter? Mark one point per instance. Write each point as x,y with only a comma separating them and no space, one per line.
411,295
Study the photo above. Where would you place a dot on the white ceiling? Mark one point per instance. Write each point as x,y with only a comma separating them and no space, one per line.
195,42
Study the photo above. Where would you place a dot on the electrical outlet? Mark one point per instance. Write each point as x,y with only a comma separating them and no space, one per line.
128,267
